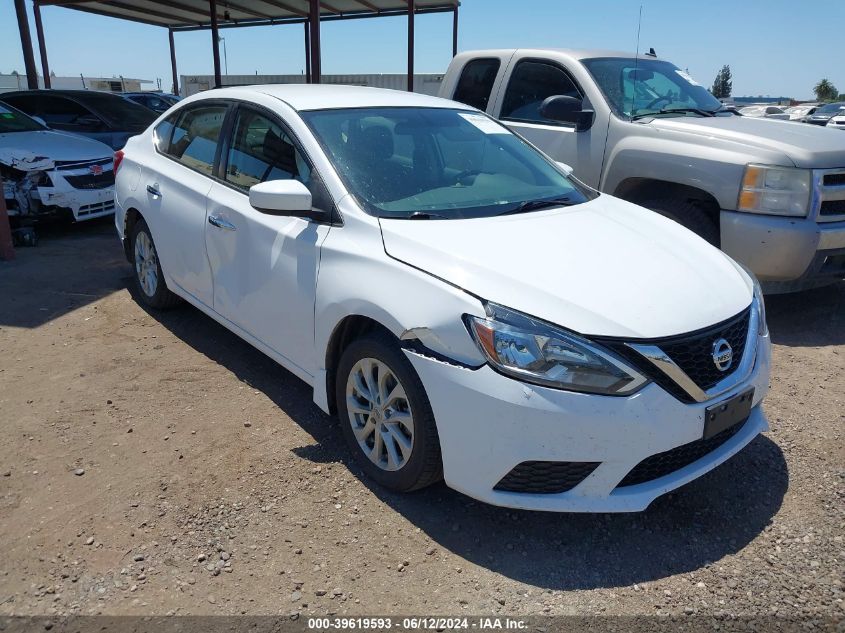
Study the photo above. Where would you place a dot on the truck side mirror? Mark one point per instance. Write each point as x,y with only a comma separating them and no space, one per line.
567,110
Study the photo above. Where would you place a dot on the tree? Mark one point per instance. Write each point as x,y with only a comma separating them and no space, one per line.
825,91
723,85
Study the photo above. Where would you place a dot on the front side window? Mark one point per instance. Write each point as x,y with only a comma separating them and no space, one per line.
650,87
261,150
531,83
437,163
476,82
64,113
196,135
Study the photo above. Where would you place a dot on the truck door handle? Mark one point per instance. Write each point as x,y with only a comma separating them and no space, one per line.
153,190
220,223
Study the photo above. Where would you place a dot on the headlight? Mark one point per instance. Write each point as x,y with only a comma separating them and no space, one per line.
762,326
522,347
775,191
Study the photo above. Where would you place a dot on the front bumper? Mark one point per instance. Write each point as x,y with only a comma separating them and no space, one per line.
488,424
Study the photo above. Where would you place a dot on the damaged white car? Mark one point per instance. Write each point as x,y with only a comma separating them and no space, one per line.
49,173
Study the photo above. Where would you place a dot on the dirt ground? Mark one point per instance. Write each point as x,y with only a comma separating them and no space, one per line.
139,449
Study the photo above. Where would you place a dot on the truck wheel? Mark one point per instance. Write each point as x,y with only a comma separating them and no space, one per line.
149,280
687,214
385,415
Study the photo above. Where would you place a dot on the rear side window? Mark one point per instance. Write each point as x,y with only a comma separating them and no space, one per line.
261,150
58,110
476,82
164,132
531,83
195,137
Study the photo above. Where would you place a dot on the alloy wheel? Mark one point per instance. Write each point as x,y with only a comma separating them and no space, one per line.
380,414
146,264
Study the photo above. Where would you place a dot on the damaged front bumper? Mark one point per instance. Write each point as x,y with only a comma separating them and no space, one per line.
39,188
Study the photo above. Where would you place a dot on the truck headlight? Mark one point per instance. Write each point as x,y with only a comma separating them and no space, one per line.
775,190
528,349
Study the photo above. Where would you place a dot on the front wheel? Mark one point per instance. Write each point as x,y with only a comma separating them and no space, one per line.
686,213
386,416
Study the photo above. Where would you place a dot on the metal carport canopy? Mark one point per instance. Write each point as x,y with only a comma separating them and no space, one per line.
190,15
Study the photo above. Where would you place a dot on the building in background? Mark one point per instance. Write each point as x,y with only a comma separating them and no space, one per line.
106,84
427,84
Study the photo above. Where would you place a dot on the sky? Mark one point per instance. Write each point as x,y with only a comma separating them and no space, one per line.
774,47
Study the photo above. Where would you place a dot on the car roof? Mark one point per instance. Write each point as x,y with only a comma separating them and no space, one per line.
331,96
74,94
573,53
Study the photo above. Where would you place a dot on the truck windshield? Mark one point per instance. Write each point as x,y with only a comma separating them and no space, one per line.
650,87
437,163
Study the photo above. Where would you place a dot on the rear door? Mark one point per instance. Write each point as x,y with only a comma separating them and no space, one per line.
264,266
528,82
177,181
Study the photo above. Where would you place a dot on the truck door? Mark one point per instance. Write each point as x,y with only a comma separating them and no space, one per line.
528,82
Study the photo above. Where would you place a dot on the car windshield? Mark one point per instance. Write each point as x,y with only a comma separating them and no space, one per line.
831,108
437,163
118,111
651,87
12,120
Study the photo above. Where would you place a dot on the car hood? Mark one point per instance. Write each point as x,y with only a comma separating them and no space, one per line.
805,145
19,148
605,267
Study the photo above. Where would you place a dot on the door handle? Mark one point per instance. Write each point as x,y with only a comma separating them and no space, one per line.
153,190
220,223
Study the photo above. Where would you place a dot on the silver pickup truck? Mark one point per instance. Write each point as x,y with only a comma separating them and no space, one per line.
770,193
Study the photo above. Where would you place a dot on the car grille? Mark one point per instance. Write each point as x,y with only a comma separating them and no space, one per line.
693,353
833,207
834,180
98,207
665,463
546,477
92,181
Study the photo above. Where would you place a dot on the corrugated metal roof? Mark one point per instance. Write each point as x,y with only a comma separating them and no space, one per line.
180,14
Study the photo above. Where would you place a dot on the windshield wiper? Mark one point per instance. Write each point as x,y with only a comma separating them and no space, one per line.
700,111
536,205
425,215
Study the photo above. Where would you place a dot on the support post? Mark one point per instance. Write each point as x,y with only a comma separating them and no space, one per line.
215,43
307,52
314,23
173,62
42,45
26,45
411,45
455,31
7,249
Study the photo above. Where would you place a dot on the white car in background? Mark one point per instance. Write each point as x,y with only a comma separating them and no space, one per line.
767,112
800,112
48,173
466,308
837,121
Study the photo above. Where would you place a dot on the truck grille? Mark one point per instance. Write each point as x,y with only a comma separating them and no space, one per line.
546,477
830,194
666,463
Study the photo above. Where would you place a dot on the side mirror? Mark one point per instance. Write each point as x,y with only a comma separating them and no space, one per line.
566,169
282,197
567,110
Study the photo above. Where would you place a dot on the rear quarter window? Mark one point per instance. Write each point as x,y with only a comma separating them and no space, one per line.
476,82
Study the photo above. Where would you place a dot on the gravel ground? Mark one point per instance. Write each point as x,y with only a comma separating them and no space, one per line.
156,464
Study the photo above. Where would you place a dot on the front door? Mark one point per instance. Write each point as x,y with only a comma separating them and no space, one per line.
264,266
529,83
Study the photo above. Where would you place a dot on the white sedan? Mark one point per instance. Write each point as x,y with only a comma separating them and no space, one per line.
767,112
466,308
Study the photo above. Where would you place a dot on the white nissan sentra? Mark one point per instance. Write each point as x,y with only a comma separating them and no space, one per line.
468,309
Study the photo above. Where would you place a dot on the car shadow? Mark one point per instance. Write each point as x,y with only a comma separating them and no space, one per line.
812,318
715,516
72,266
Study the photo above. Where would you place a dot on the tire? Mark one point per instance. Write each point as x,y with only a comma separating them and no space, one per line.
149,280
420,464
687,214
